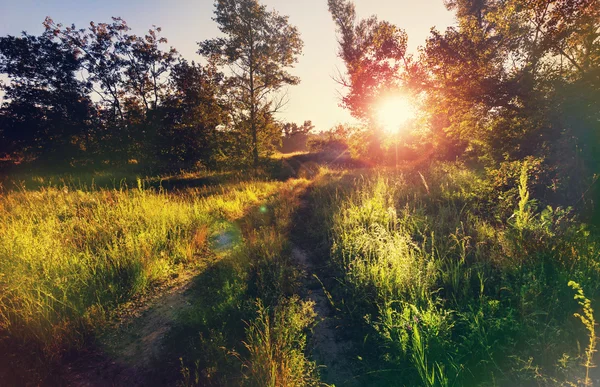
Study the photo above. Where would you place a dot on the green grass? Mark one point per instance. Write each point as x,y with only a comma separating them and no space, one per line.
70,256
437,277
248,325
438,288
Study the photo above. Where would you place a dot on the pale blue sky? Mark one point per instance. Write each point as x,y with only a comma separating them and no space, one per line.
186,22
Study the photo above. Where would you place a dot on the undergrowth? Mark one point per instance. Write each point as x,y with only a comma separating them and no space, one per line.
441,285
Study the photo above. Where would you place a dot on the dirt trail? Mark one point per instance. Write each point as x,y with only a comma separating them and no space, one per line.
126,355
328,348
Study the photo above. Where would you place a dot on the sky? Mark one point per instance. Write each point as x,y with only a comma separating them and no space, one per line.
185,22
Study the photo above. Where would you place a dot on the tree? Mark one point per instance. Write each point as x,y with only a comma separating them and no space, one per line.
290,129
191,116
258,47
129,76
294,136
47,113
373,52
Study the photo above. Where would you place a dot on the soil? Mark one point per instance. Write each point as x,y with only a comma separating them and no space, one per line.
128,354
329,349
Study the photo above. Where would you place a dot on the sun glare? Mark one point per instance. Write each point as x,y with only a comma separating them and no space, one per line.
393,112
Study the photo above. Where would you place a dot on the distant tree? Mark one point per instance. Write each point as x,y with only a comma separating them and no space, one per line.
333,141
46,113
258,47
291,128
295,136
191,117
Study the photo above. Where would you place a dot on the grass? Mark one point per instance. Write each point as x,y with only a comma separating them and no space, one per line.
248,325
70,256
438,287
275,343
437,277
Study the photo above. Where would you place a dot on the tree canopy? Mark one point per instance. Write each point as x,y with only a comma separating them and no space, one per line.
258,48
103,95
513,79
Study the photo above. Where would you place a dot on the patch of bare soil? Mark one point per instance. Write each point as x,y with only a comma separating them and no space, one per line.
329,349
127,353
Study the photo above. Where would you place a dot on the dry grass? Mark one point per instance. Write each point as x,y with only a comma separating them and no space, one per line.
70,256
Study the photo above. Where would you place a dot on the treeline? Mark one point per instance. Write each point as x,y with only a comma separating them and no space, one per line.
105,96
514,79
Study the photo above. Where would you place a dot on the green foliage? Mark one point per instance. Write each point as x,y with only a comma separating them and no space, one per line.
276,342
588,320
260,45
190,116
511,79
138,104
47,110
373,52
445,290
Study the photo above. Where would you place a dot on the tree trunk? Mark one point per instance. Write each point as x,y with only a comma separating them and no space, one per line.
253,104
254,139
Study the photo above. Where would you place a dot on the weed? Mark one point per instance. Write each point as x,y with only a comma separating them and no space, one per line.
587,319
275,341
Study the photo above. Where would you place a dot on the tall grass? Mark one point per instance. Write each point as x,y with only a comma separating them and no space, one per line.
275,340
450,291
69,256
248,325
275,343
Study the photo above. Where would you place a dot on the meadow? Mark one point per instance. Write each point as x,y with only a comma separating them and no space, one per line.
440,278
433,276
72,252
166,220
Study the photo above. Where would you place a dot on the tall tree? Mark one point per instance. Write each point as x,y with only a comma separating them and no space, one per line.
373,51
127,73
191,117
259,46
46,111
501,80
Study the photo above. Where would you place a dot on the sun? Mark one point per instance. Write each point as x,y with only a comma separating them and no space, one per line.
393,112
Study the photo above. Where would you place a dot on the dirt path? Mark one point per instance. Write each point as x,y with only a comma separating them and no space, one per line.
126,355
328,348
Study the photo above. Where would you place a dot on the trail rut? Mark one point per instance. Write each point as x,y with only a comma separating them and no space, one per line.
126,355
329,349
